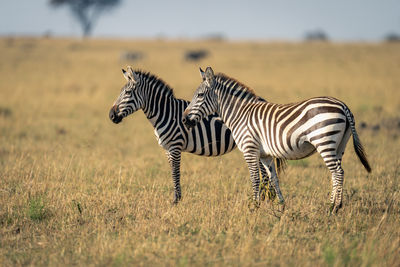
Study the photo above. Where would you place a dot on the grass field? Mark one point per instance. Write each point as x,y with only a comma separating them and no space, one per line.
75,189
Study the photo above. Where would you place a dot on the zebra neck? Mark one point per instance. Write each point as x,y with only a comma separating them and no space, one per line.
158,108
233,104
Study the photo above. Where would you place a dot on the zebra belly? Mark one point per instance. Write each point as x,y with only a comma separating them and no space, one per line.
304,150
209,138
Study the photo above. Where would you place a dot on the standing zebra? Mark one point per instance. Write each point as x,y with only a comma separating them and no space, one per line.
264,130
149,93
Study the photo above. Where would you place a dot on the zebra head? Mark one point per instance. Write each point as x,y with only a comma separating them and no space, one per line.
129,100
204,101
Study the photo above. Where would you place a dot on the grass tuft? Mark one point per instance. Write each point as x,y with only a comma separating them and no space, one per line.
329,256
37,210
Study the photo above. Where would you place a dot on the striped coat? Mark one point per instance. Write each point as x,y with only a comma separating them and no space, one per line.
264,130
149,93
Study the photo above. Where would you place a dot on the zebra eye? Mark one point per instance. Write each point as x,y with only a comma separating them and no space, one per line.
128,91
200,94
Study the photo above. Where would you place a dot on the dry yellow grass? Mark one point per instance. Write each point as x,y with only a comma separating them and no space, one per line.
77,189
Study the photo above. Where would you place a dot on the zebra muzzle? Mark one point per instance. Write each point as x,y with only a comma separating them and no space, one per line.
114,115
188,121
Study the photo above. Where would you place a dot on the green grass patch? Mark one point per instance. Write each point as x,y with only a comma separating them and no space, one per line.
329,256
37,210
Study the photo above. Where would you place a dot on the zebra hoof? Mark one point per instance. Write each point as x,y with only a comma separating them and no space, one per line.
333,208
176,200
253,205
282,204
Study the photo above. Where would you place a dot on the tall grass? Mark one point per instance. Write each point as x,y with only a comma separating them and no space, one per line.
77,189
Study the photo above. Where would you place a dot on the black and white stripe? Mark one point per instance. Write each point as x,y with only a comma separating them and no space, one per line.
149,93
264,130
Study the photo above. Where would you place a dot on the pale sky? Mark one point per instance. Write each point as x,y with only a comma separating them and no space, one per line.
341,20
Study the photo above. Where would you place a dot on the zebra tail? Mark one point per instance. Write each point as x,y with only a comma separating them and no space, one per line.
358,147
281,165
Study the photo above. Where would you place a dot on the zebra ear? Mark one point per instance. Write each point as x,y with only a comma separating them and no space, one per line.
209,76
129,68
126,75
133,75
202,74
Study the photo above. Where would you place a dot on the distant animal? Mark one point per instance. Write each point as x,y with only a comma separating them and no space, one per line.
263,130
210,137
317,35
196,55
131,56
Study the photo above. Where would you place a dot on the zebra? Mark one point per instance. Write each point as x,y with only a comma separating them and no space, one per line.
263,130
211,137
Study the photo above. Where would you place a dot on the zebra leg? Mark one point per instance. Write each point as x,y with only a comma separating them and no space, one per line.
338,174
269,165
334,163
337,186
252,160
332,155
174,159
266,187
264,182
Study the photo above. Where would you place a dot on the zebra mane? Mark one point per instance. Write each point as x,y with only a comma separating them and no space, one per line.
223,78
149,77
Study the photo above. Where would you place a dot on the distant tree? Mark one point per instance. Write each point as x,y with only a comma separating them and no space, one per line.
316,35
86,11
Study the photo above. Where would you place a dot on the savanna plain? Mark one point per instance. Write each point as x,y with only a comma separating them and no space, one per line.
76,189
